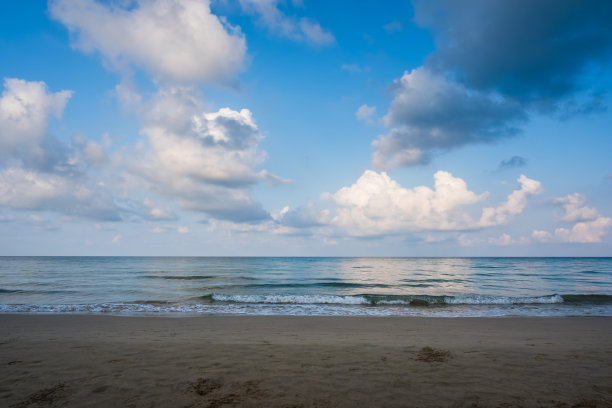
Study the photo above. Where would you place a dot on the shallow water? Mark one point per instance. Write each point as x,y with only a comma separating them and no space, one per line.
307,286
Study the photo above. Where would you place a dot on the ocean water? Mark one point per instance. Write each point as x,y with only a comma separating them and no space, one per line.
185,286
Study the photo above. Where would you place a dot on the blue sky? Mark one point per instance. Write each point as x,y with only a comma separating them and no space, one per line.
264,127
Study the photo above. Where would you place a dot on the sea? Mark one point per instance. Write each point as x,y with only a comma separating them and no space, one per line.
321,286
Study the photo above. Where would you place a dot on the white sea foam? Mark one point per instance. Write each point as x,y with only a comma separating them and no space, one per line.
135,309
501,300
292,299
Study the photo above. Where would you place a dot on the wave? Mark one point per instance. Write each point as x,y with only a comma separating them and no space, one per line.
406,300
361,305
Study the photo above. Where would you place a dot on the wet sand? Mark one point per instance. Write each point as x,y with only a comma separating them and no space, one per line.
259,361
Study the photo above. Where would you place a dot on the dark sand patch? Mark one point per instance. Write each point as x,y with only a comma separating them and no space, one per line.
431,355
45,397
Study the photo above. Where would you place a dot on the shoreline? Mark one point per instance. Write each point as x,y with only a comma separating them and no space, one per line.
305,361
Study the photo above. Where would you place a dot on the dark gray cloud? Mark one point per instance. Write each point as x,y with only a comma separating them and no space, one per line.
444,114
496,62
535,51
513,162
431,113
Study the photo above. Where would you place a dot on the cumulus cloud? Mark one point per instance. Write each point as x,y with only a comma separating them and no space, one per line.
302,30
430,113
205,160
24,111
575,208
586,231
589,227
515,204
377,205
178,40
39,172
558,42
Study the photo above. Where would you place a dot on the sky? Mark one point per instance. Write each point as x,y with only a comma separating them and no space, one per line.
306,128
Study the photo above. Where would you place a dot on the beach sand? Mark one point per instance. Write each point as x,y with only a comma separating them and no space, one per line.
277,361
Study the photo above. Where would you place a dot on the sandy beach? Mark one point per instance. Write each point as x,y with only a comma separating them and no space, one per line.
259,361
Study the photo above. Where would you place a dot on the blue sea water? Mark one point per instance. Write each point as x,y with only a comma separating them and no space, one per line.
184,286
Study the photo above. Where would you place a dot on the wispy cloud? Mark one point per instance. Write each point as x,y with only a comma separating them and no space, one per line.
513,162
393,26
297,29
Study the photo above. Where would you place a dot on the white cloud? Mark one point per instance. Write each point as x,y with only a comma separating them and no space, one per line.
590,226
516,203
116,239
89,151
430,113
24,110
574,207
41,172
303,30
183,230
31,190
586,231
205,160
365,113
377,205
180,40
